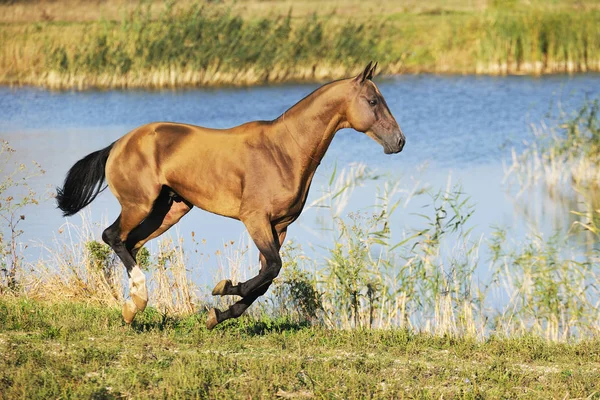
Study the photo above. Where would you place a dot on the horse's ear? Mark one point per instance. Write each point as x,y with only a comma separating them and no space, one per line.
372,71
364,75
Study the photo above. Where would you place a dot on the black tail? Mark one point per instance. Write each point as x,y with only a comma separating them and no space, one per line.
83,182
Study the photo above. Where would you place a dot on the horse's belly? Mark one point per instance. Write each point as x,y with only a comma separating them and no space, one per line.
215,200
206,181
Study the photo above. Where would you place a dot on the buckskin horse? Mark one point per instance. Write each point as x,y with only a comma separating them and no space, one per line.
258,173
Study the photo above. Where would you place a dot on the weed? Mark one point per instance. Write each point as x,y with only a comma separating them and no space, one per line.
15,196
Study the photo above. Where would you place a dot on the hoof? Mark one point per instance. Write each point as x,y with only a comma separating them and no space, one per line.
211,321
139,302
129,311
221,287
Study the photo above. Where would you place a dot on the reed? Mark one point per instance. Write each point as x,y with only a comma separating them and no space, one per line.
196,46
539,42
551,294
15,196
427,282
431,281
77,267
564,155
200,45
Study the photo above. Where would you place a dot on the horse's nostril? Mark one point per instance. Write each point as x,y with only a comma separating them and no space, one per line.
401,141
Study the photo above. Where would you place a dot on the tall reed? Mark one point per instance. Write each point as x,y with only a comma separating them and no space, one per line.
551,291
197,45
76,266
210,45
539,41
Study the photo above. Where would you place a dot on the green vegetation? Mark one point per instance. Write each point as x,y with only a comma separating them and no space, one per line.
82,351
194,40
431,280
425,282
198,44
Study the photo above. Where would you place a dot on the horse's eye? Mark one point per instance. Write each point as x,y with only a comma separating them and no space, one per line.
373,102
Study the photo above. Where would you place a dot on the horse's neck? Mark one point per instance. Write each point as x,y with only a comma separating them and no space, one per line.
308,128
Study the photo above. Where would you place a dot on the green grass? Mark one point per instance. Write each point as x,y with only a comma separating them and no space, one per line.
70,350
211,45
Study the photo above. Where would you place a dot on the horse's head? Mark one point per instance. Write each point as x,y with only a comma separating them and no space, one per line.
368,112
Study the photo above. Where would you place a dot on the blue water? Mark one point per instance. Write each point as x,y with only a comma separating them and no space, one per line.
460,127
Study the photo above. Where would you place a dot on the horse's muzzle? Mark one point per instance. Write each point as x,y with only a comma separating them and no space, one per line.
397,146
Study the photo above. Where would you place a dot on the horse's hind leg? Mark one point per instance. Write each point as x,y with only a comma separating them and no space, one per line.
115,236
126,240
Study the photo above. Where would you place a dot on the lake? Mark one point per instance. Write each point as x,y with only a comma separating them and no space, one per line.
458,128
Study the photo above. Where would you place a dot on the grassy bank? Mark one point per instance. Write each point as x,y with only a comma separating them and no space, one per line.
199,44
75,350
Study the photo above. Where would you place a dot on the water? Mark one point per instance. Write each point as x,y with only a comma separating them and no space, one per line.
458,127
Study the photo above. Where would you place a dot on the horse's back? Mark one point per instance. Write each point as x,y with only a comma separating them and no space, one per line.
203,165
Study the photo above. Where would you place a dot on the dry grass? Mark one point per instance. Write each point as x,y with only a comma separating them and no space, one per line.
69,269
175,77
86,11
564,154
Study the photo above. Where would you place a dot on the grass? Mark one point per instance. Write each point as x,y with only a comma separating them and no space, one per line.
51,350
169,45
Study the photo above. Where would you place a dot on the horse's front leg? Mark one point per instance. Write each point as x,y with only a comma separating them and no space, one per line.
268,239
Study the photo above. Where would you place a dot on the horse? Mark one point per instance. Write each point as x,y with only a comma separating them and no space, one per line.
259,173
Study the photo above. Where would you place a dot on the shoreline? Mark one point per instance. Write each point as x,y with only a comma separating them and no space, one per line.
188,79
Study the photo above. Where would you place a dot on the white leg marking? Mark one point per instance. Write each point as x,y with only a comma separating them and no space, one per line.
137,288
